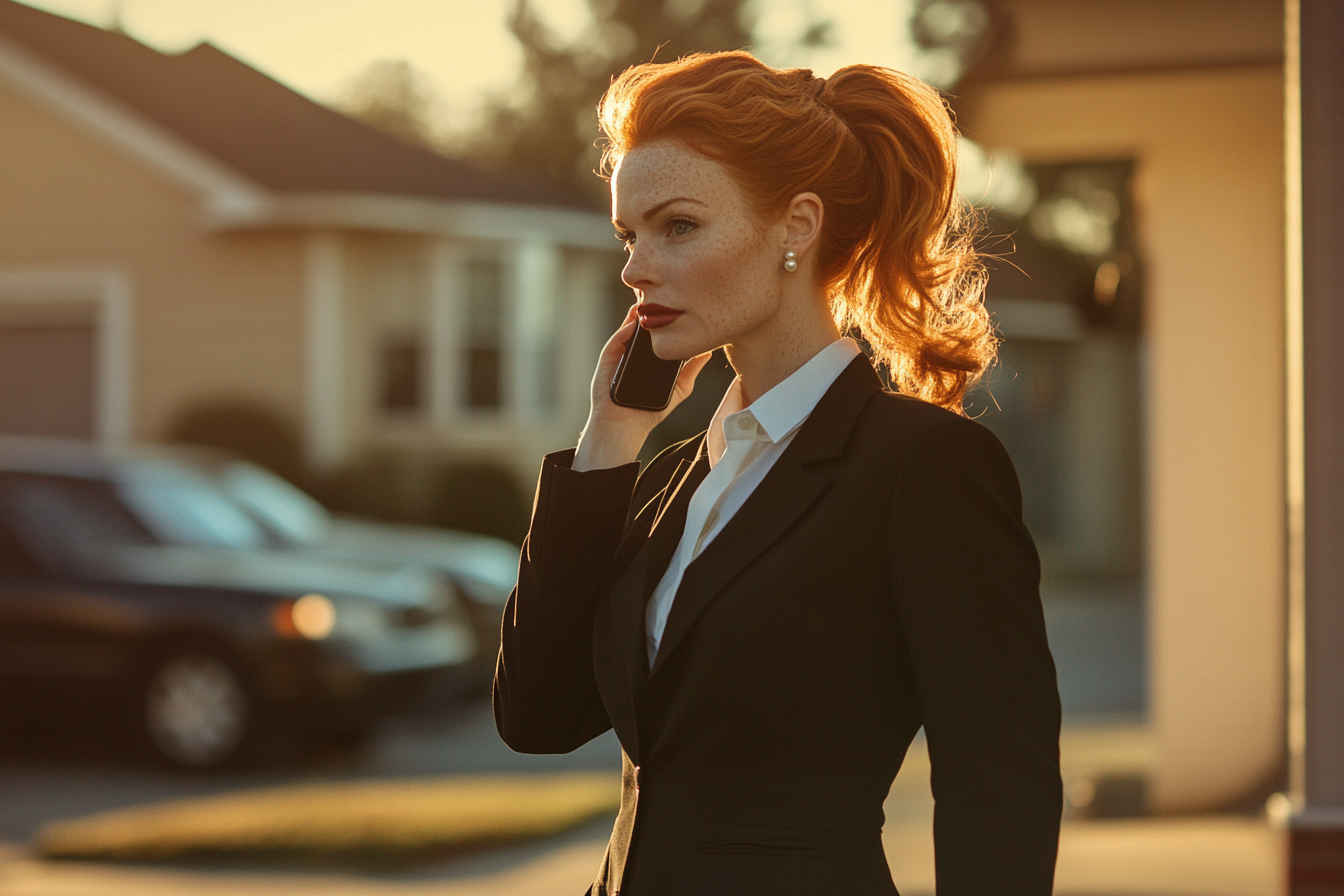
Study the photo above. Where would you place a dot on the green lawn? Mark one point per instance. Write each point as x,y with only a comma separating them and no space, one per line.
369,823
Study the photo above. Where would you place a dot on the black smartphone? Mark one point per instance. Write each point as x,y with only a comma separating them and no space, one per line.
643,380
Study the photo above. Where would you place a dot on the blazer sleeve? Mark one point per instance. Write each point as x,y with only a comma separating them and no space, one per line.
545,695
966,579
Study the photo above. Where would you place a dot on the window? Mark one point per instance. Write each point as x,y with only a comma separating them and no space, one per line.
48,368
484,334
389,284
400,361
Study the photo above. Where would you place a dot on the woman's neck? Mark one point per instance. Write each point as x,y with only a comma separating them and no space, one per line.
766,357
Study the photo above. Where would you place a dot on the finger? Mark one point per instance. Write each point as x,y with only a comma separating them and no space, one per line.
621,338
631,314
618,340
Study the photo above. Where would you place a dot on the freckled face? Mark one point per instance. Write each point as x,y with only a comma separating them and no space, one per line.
694,247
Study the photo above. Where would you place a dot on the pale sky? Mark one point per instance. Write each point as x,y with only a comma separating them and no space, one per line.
462,47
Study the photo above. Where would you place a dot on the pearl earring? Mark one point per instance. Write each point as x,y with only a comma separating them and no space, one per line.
790,261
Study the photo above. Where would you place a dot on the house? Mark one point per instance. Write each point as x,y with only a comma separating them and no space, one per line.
1179,402
181,229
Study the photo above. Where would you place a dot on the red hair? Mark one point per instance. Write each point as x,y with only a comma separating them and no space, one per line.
895,253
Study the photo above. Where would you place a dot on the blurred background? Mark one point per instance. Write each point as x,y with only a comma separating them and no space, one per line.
295,295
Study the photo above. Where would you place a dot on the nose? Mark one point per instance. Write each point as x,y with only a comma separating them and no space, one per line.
639,273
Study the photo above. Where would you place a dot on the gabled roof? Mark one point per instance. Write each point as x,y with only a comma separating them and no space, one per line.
256,126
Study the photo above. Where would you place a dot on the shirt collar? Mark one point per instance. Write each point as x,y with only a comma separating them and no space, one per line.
783,409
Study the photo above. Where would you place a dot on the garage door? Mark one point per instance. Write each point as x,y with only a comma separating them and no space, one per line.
47,371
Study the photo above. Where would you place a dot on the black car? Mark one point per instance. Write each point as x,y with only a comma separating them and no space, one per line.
481,568
133,597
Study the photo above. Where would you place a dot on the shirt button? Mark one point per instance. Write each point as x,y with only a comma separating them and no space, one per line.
745,423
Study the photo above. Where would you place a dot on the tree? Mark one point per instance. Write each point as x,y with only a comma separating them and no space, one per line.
552,131
393,97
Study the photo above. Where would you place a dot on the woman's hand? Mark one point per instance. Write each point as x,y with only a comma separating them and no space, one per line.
613,434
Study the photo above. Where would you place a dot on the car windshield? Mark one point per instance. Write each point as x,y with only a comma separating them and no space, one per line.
288,512
180,507
58,518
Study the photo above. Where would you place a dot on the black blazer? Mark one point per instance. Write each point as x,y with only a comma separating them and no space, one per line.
879,579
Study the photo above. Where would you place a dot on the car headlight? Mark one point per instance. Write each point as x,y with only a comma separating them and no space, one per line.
312,616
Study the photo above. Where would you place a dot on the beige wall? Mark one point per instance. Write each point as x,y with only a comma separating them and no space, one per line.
1210,197
214,314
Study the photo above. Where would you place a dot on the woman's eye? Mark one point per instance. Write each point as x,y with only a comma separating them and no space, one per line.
626,237
681,228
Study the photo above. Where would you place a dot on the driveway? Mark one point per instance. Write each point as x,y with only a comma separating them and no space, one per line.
45,780
1216,856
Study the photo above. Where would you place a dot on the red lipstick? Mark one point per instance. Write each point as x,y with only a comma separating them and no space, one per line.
652,316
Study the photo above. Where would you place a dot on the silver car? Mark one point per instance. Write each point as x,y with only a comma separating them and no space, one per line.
481,568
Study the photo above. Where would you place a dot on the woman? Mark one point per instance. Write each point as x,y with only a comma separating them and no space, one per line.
767,614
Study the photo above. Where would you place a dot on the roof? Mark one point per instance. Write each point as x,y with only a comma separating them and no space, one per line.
251,123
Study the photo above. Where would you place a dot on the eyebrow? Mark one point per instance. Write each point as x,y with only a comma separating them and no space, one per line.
660,206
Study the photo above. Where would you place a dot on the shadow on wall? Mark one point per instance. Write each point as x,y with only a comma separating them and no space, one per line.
474,496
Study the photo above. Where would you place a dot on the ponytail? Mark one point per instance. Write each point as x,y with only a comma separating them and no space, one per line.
895,254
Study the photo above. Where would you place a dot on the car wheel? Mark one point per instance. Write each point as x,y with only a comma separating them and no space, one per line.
197,710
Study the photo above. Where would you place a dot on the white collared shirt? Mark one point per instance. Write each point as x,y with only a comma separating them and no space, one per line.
743,444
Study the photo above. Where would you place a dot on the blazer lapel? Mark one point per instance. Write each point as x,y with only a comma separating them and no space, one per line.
630,597
793,484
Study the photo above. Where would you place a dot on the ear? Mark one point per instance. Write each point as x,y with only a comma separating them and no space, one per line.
802,223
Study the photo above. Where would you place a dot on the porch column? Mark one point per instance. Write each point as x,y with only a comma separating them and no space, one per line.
532,342
1315,79
325,424
447,305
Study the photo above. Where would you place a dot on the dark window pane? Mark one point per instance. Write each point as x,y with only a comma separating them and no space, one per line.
47,380
1077,245
483,377
484,287
485,324
401,362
